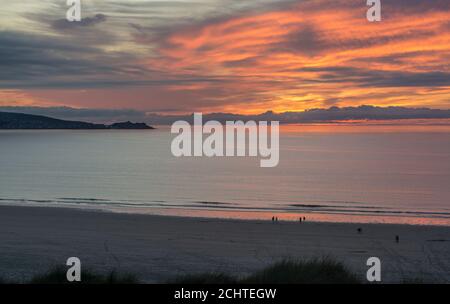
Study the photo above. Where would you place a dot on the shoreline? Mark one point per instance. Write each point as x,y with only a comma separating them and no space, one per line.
121,211
243,214
157,248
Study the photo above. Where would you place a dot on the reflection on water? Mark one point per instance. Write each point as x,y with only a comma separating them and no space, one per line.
366,173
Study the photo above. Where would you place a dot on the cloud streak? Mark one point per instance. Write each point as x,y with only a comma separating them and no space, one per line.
63,24
230,56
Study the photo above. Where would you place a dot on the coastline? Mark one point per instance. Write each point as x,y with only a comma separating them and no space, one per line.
157,248
224,211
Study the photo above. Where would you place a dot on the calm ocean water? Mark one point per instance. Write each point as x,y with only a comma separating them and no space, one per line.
377,174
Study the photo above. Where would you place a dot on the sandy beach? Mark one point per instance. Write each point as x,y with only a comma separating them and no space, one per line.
157,248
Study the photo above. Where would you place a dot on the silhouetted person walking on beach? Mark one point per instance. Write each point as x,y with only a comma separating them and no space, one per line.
359,230
304,218
397,239
273,219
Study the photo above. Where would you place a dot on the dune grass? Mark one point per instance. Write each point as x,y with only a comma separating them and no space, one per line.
289,271
315,271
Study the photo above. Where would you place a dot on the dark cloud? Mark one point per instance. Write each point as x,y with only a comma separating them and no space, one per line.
308,40
320,115
378,78
404,79
23,57
305,40
27,61
392,8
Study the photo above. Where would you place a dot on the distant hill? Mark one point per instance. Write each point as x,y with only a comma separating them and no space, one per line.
27,121
333,114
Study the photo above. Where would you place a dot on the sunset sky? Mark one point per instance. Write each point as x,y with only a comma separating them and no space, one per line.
225,55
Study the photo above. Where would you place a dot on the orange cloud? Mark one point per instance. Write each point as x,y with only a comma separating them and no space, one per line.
314,54
20,98
291,57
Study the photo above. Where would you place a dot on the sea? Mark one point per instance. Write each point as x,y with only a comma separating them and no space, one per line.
365,173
